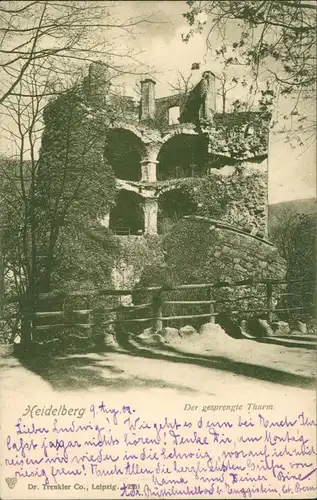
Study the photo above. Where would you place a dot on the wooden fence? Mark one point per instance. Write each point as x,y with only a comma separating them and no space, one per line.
125,231
121,231
152,311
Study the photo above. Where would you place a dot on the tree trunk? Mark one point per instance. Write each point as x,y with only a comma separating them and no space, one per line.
26,309
223,102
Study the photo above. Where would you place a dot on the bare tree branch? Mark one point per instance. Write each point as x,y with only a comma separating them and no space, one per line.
79,31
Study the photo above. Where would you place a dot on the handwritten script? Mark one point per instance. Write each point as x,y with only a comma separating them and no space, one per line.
248,455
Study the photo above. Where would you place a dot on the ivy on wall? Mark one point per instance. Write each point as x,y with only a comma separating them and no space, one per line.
133,255
239,134
238,198
74,187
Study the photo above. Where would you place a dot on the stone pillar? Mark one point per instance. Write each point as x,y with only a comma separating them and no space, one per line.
208,95
148,168
105,221
150,216
148,99
148,164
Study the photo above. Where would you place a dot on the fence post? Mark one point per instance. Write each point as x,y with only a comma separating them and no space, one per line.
157,310
89,316
65,318
269,301
26,320
212,318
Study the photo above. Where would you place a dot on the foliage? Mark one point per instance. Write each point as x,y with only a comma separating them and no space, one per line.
146,259
229,78
237,198
276,40
72,155
54,201
190,266
74,185
284,32
155,274
240,134
295,236
210,195
202,261
85,258
11,223
168,275
133,255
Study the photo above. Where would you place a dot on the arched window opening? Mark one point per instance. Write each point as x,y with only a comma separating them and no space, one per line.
123,152
182,156
127,216
173,206
173,115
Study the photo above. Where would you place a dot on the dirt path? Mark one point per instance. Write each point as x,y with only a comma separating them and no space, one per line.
191,369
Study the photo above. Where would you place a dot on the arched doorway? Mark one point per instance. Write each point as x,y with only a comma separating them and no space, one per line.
123,152
127,216
172,206
183,155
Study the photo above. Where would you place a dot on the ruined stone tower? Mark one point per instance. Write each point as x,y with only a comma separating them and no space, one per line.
176,157
160,145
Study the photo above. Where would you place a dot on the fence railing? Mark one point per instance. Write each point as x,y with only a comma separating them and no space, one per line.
126,231
121,231
153,310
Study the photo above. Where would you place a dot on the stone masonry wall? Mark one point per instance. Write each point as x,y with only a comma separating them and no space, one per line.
213,251
163,104
247,191
234,194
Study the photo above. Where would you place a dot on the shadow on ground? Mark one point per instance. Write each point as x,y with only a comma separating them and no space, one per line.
218,363
82,372
92,370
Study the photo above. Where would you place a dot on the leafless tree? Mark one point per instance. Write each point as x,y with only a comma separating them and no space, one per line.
63,35
226,84
37,199
22,127
183,84
228,78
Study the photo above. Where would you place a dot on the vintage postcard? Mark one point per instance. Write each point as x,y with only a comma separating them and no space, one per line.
158,249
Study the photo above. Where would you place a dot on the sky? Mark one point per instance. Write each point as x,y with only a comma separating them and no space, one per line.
160,44
292,172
